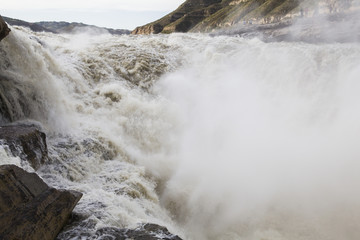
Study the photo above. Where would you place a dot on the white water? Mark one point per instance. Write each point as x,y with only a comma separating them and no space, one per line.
225,138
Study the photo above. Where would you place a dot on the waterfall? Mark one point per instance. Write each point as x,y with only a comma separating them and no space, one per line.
214,137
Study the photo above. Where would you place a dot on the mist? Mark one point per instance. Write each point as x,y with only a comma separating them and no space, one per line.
214,137
267,148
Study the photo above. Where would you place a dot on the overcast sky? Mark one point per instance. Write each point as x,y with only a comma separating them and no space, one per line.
105,13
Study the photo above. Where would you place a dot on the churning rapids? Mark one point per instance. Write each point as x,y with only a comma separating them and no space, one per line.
213,137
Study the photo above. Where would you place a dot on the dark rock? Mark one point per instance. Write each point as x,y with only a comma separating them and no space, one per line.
26,142
4,30
145,232
29,209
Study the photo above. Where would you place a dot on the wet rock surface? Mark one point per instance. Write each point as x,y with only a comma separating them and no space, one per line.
4,30
26,142
29,209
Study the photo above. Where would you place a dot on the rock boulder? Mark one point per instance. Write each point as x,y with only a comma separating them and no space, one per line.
29,209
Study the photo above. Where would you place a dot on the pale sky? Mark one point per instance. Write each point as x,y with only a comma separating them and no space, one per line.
126,14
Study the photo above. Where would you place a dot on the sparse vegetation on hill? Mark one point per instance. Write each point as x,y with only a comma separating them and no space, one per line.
206,15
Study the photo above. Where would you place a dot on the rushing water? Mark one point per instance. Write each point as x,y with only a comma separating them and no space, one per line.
213,137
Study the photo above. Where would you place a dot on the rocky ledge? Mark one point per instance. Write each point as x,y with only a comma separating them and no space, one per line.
4,30
29,209
26,142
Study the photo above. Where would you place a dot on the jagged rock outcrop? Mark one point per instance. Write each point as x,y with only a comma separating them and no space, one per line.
29,209
26,142
4,29
145,232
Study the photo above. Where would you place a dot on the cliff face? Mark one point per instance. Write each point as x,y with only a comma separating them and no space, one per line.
204,16
185,17
4,30
66,27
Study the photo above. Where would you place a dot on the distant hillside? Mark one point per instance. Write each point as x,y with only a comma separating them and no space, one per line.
33,26
206,15
62,27
66,27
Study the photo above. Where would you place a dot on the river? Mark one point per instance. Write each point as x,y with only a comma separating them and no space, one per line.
214,137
